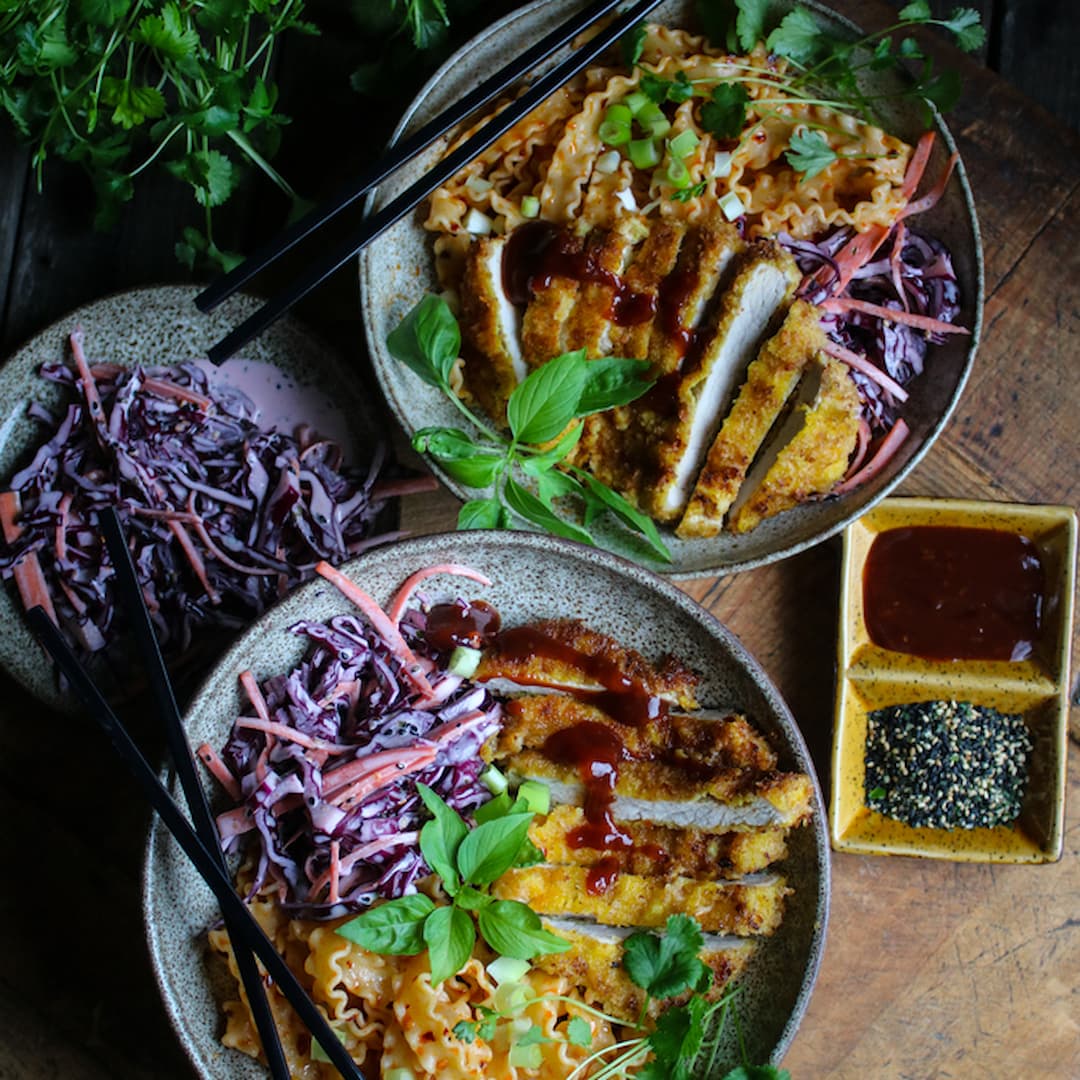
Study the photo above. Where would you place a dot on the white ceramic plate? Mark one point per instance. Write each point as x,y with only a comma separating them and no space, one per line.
397,269
288,371
534,577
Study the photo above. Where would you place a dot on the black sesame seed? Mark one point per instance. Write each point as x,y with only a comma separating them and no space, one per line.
946,764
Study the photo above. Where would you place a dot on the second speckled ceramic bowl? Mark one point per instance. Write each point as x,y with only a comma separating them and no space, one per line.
1037,688
534,577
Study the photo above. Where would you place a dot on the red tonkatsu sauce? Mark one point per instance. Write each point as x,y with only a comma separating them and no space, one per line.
594,749
954,593
538,252
460,623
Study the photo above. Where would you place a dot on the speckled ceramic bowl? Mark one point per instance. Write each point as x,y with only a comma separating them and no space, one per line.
397,269
1037,688
534,576
287,370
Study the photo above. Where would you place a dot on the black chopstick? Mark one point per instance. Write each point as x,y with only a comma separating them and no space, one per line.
233,908
134,605
379,222
404,151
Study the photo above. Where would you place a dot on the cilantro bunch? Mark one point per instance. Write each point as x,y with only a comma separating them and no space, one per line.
120,86
544,414
467,861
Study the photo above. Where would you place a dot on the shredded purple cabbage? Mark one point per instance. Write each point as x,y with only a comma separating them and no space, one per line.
925,284
350,691
260,509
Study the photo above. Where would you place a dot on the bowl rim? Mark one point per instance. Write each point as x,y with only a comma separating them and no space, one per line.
539,546
398,405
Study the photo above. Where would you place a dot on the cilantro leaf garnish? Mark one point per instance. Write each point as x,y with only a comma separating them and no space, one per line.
633,44
724,114
666,966
810,154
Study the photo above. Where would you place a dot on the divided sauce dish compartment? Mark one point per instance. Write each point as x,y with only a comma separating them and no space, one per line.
1036,688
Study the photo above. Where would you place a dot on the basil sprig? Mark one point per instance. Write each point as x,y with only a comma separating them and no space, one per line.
544,414
467,861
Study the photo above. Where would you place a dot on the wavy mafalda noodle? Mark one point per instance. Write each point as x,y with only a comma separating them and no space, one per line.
389,1016
553,152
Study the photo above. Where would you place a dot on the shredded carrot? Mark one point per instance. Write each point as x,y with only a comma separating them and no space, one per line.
283,731
404,594
29,577
193,557
234,822
404,761
882,456
896,263
89,386
931,198
219,770
374,847
856,253
164,388
380,621
917,165
861,446
840,304
335,871
452,729
870,370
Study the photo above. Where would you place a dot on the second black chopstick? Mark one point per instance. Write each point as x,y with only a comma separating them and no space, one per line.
397,208
232,907
131,599
409,147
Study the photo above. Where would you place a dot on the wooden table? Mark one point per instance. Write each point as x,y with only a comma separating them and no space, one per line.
931,970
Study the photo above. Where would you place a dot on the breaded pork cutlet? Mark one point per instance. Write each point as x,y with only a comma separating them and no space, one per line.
770,382
685,409
748,906
490,328
815,459
595,963
547,314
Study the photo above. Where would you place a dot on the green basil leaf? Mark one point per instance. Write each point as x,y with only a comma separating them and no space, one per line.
482,514
494,808
441,837
627,513
534,464
472,899
554,485
490,849
395,927
475,472
528,855
447,444
541,406
450,935
529,507
514,929
428,341
612,381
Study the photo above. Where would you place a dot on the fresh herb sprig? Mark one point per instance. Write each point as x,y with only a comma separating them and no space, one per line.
824,70
544,415
119,86
467,861
686,1040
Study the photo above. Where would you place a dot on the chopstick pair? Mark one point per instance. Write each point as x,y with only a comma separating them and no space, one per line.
374,226
200,844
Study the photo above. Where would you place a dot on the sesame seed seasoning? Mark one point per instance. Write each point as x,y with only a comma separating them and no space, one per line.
946,764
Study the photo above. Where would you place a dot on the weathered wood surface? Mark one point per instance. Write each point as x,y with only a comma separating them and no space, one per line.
932,970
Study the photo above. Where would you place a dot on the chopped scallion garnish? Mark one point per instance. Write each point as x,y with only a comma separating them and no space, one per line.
530,206
652,120
683,144
644,153
731,206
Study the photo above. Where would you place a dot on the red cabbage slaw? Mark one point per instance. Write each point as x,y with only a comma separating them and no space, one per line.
323,767
222,515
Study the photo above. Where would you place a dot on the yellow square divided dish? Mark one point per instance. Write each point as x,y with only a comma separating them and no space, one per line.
1036,688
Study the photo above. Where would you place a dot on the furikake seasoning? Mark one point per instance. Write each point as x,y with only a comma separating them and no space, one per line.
946,764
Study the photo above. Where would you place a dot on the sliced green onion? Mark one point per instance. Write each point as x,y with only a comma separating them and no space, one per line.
508,969
676,173
530,206
477,185
318,1053
535,796
683,145
511,997
464,661
607,163
731,206
637,101
652,119
644,153
493,780
722,163
615,127
477,223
